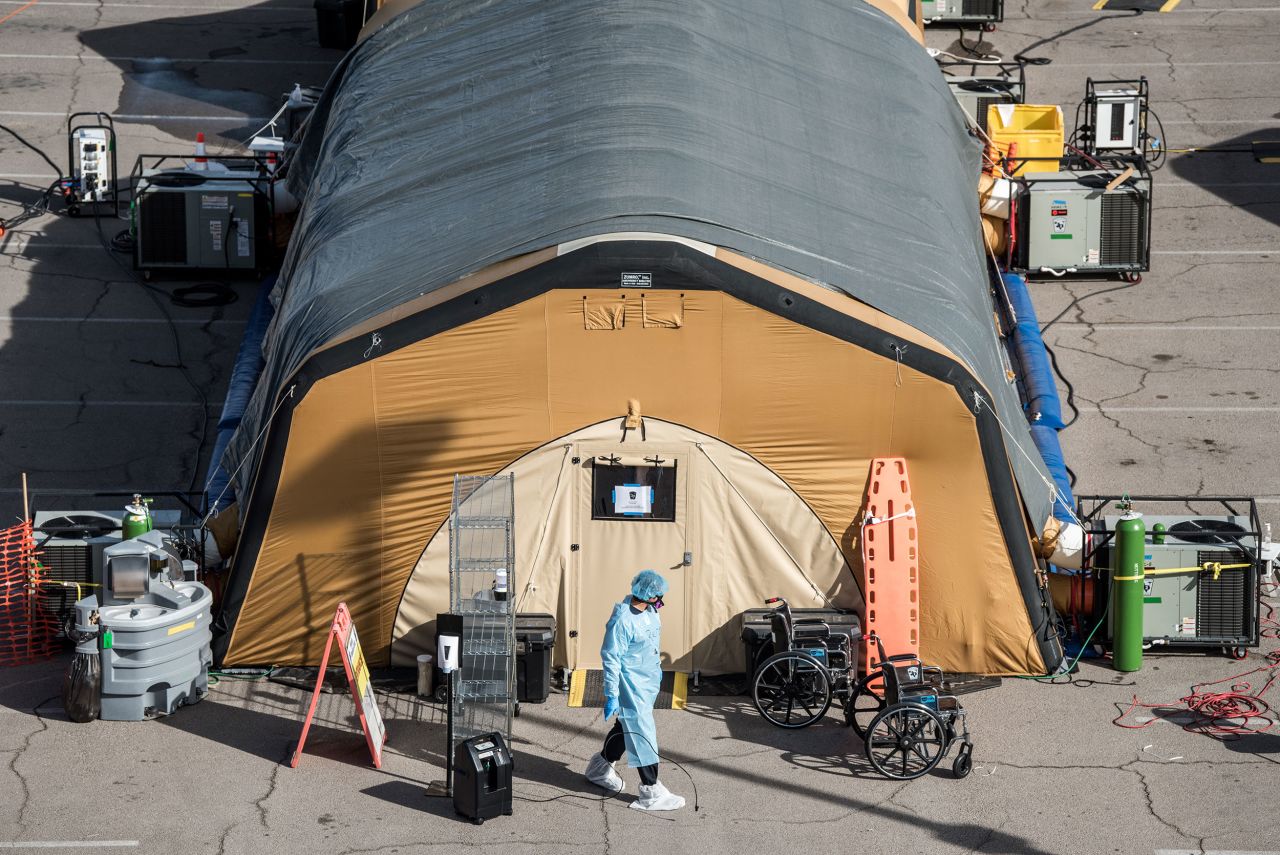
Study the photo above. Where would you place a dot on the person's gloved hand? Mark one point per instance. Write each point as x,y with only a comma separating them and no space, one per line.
610,708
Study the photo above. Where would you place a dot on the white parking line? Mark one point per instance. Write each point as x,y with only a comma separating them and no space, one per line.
1187,410
236,9
1164,63
69,844
35,244
1215,251
1214,852
1169,327
24,403
69,57
12,319
139,117
1178,184
1257,122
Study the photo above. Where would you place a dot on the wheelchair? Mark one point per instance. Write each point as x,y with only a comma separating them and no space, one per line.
903,710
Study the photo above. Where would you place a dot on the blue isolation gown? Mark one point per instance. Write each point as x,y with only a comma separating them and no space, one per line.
633,674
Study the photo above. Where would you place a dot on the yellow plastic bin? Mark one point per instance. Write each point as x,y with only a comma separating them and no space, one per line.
1037,130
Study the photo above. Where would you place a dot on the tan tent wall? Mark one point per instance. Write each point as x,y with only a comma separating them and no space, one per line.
371,451
754,538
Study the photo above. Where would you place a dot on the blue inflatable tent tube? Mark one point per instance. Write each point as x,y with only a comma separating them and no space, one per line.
1046,440
1044,409
244,376
1043,406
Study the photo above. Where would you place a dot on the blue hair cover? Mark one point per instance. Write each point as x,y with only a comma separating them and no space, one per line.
647,584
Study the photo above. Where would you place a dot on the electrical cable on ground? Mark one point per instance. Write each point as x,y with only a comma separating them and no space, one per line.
608,796
43,205
17,136
974,50
1022,57
1071,395
1221,714
1078,300
1069,670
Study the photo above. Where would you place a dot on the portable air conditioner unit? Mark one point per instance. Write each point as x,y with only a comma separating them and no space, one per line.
1069,222
201,220
1197,607
976,93
69,546
962,11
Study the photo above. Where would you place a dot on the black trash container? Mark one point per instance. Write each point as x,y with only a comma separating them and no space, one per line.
338,22
535,638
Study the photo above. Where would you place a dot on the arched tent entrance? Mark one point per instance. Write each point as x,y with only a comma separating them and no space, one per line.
356,472
725,531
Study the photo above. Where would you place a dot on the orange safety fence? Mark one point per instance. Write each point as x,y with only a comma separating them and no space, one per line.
27,629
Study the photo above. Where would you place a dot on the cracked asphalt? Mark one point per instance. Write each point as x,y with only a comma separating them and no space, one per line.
1175,378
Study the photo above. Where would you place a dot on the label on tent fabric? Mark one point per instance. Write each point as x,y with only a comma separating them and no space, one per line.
633,499
344,630
637,280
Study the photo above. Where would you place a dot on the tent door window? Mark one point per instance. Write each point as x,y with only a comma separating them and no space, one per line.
644,492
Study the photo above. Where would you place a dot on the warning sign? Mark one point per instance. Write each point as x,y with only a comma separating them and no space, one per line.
375,733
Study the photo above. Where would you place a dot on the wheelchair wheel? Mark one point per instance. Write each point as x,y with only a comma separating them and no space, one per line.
963,764
792,689
866,703
905,741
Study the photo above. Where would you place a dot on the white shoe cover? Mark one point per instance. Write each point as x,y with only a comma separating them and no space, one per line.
657,797
601,773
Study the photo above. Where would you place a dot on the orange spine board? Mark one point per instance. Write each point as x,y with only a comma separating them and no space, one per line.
890,562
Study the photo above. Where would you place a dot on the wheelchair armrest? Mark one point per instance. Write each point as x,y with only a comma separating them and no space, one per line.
902,657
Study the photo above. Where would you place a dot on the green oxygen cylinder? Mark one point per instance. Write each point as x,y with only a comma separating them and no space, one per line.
1157,533
1126,592
137,518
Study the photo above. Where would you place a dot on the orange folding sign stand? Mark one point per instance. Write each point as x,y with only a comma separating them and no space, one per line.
890,562
375,733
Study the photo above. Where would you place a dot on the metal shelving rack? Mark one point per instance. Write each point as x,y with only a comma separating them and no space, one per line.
481,544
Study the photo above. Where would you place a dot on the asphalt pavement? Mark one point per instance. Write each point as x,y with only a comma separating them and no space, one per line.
106,385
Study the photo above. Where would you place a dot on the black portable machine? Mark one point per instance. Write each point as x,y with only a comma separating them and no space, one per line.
482,778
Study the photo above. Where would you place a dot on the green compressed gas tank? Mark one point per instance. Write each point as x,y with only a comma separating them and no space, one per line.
137,518
1126,592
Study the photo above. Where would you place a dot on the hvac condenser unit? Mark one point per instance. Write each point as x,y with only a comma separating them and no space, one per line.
1197,606
962,11
201,220
1070,222
998,84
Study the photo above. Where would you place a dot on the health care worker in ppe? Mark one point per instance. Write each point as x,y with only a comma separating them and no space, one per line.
632,677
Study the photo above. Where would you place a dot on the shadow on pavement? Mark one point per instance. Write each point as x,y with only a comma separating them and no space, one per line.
1235,176
187,65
